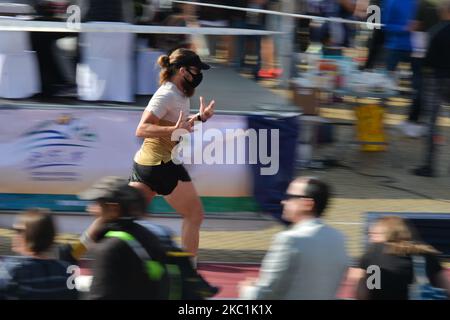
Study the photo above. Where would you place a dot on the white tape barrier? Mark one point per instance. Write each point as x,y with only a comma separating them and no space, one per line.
50,26
278,13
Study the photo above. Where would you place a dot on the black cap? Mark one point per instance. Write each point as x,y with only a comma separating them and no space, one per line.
193,61
109,189
116,190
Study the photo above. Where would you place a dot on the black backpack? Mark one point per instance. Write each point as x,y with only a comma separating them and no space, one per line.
180,280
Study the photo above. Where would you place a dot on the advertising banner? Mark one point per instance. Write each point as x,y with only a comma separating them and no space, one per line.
47,156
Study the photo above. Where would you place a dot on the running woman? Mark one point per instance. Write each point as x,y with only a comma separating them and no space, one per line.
154,172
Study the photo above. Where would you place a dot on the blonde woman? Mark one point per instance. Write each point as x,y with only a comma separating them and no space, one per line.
154,172
391,249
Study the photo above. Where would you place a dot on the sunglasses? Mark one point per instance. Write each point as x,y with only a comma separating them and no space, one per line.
18,230
289,196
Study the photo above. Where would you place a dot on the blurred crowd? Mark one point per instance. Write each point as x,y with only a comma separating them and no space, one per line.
403,39
59,53
130,259
133,259
309,261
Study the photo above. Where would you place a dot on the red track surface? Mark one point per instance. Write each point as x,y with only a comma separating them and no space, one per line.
228,276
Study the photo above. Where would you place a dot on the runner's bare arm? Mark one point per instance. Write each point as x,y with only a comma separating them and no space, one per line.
148,126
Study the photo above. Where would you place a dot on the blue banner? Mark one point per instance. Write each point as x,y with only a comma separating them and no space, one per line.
268,190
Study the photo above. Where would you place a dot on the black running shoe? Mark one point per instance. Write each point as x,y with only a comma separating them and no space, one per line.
424,171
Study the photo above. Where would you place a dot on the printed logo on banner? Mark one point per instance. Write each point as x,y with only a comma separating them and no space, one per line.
56,148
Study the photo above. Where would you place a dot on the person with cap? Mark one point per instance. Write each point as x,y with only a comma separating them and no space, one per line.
127,257
154,171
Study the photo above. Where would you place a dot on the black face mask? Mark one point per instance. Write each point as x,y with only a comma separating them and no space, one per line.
196,79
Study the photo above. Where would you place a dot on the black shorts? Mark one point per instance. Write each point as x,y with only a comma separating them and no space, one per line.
162,178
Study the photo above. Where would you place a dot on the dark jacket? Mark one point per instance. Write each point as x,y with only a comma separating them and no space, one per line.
118,273
27,278
438,54
396,273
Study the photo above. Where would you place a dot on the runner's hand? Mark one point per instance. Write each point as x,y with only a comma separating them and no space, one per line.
183,124
206,112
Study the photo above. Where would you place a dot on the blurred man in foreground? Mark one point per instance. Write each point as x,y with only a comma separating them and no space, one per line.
308,261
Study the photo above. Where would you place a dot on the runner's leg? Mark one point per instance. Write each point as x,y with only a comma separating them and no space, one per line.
146,191
185,200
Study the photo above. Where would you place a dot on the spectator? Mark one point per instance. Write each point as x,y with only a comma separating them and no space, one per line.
268,44
34,275
302,26
375,43
213,17
145,11
118,271
256,21
149,12
309,260
121,244
111,10
437,86
427,16
237,20
182,16
398,15
392,252
158,10
54,80
335,35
